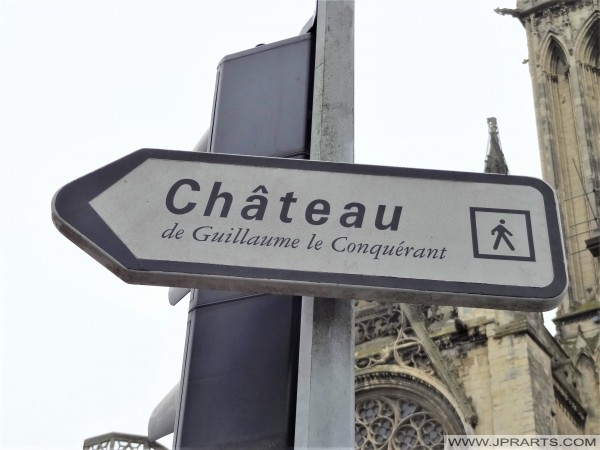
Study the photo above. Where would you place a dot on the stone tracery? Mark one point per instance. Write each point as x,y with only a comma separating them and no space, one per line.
393,422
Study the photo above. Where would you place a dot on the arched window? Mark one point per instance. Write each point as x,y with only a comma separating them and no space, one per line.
561,104
589,57
564,153
591,45
557,62
402,414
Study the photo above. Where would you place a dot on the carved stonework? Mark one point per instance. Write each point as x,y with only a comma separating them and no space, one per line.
396,336
431,314
395,411
385,322
405,350
397,422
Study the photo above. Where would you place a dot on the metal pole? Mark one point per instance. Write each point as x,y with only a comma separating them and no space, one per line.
325,402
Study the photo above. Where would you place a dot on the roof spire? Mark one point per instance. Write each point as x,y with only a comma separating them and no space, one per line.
494,159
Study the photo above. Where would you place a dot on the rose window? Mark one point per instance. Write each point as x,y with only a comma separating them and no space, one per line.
391,421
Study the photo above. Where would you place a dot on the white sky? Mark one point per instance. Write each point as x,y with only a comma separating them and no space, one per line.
84,83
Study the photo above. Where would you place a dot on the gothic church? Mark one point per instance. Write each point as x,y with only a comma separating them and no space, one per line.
422,372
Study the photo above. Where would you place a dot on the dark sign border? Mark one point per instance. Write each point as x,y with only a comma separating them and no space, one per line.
478,254
78,221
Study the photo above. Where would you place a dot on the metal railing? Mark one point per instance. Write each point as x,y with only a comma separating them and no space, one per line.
121,441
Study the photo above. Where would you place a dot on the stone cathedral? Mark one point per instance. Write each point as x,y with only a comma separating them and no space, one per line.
422,372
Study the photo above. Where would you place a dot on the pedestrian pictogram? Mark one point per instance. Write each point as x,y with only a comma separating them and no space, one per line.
502,234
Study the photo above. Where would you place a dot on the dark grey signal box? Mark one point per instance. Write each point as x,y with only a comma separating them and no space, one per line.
262,100
241,363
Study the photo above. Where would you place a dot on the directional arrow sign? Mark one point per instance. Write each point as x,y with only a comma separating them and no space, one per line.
289,226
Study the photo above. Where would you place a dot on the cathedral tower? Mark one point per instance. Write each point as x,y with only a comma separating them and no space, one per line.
564,59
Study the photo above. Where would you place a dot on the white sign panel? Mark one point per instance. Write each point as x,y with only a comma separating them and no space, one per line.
305,227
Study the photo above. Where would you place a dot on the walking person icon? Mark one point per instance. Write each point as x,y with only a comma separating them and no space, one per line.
501,232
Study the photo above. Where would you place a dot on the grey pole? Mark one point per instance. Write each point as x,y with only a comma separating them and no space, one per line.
325,401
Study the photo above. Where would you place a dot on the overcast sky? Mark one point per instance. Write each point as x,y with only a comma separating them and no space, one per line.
84,83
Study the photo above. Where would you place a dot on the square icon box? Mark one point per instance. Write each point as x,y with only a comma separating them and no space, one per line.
502,234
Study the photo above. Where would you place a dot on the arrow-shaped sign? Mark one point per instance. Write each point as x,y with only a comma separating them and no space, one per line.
290,226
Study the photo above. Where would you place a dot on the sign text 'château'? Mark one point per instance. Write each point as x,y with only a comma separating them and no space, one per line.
180,200
317,211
